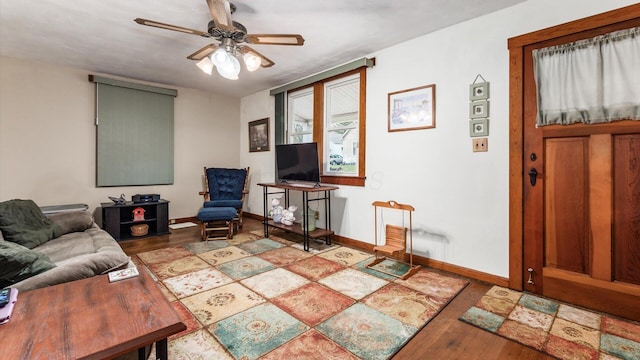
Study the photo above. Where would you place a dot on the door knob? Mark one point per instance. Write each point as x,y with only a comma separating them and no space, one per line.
533,175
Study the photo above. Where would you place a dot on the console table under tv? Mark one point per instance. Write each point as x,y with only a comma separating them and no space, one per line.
324,192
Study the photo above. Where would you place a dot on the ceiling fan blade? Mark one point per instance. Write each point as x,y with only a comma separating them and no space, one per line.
275,39
264,61
221,14
170,27
202,53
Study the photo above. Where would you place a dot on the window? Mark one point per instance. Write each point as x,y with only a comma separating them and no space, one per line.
342,109
300,117
134,125
589,81
331,112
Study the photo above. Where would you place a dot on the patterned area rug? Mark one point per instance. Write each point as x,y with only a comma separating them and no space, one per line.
255,298
557,329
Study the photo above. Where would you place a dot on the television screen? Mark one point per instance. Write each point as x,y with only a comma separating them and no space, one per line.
297,162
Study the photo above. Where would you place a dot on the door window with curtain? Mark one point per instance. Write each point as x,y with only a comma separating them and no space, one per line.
589,81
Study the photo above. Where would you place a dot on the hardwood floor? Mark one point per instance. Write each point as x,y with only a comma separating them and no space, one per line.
445,337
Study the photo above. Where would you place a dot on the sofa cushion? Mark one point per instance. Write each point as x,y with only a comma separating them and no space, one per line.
78,255
72,221
22,222
67,246
19,263
94,246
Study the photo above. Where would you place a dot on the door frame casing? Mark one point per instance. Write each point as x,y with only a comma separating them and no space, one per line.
516,47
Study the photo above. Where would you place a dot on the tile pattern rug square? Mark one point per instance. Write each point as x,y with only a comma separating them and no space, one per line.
256,298
555,328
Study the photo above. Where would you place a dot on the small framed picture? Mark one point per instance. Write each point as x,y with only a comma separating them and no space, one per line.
259,135
479,109
479,91
412,109
479,127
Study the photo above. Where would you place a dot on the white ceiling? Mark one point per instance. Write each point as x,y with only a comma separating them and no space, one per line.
100,35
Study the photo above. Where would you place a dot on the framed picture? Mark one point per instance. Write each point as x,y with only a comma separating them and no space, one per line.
479,91
479,127
479,109
412,109
259,135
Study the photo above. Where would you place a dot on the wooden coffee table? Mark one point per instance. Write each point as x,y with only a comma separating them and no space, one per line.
89,319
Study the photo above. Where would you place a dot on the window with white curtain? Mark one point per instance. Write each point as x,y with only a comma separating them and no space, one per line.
589,81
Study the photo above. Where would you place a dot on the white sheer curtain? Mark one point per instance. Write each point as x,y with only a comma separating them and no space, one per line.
589,81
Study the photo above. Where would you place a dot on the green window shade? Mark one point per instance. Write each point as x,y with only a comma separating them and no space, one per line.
134,136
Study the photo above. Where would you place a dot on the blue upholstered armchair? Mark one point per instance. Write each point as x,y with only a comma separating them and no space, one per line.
225,188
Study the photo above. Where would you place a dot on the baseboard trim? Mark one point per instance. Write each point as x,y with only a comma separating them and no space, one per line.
253,216
463,271
434,264
357,244
184,220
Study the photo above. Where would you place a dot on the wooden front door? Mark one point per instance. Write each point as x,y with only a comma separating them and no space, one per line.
581,205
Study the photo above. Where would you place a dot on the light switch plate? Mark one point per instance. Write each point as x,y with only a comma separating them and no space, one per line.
480,145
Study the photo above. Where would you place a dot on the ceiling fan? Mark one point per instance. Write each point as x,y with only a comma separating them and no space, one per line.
232,37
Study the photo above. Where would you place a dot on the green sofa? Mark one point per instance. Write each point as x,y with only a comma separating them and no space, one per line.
63,247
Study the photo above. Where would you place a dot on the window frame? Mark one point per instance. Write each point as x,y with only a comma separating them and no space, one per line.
319,127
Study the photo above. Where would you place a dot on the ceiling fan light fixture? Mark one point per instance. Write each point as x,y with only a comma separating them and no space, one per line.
220,57
205,65
231,35
230,69
251,61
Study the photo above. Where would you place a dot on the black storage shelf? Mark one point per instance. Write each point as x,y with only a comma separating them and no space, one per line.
137,222
118,219
325,197
296,228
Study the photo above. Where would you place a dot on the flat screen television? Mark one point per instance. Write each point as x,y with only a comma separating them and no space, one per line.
297,162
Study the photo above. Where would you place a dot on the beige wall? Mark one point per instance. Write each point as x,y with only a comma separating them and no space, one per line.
47,139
